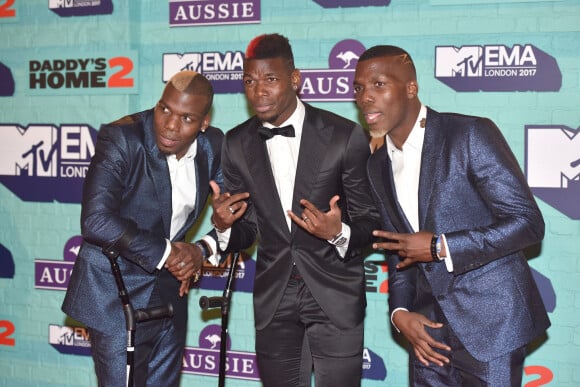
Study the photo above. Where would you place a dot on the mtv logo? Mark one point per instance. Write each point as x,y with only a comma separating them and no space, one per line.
60,3
466,61
174,63
68,8
553,166
61,335
72,3
29,151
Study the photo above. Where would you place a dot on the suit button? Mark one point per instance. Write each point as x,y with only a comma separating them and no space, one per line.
441,297
429,267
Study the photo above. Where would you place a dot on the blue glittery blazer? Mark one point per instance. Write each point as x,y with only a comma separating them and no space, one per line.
128,187
472,190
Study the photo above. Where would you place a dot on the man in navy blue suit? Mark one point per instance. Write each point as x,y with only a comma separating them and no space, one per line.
456,212
146,186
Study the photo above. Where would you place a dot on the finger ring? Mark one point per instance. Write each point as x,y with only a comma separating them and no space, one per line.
231,209
181,265
305,219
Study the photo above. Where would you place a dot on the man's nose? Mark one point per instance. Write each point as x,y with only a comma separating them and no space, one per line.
172,122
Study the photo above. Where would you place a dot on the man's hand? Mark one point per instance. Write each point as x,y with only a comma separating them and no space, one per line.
184,288
184,261
412,326
324,225
227,208
412,248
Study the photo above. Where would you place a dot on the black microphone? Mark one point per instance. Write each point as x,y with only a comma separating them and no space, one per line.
154,313
211,302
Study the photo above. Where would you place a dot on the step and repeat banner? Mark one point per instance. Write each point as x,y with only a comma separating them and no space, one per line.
67,66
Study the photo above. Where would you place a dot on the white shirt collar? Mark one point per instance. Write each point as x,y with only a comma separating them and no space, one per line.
416,137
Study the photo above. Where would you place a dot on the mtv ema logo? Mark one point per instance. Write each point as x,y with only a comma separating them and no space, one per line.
81,7
373,367
43,162
69,340
223,70
497,68
55,275
553,166
214,278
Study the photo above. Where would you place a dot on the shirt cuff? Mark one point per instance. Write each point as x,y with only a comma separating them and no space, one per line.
392,314
165,255
223,238
447,258
214,259
341,240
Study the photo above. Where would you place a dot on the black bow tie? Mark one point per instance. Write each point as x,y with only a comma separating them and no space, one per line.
267,133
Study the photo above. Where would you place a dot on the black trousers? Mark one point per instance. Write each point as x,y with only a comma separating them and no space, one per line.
300,334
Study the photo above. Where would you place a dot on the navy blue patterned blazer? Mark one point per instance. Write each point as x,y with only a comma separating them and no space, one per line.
128,190
471,188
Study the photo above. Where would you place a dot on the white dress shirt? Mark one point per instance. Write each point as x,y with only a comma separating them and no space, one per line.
183,193
283,153
406,165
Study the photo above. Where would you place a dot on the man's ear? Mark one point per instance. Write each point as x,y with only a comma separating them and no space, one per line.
205,123
296,79
412,89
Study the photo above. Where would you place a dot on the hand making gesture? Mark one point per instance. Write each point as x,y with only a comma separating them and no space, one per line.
227,208
324,225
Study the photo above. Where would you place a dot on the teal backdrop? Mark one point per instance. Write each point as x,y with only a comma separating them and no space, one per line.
67,66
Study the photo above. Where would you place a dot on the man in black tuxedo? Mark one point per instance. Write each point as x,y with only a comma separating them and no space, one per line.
309,286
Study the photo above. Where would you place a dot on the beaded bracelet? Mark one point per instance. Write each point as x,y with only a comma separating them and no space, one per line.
434,253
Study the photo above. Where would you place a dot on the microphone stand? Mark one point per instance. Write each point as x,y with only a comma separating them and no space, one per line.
132,316
223,302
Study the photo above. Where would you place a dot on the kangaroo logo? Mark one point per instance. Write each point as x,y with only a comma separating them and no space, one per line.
214,340
347,57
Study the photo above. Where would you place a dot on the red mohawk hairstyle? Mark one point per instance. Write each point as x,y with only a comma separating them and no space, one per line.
268,46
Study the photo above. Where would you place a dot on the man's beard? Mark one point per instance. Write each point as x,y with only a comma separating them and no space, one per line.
378,133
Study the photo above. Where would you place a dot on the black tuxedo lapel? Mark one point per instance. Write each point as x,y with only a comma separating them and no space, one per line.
381,176
434,144
313,144
260,171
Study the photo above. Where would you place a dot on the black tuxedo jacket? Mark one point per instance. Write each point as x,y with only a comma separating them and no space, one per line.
332,158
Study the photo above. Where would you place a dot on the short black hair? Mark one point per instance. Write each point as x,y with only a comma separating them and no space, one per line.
387,50
268,46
